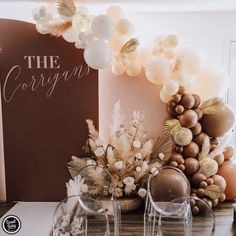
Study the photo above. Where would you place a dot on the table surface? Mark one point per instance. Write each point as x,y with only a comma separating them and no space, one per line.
132,223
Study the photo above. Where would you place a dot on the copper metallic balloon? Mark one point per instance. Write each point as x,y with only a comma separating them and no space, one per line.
217,125
188,119
187,101
168,184
228,172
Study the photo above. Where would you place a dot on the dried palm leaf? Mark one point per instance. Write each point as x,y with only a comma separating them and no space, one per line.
171,127
130,46
58,29
211,106
163,145
66,7
213,192
75,166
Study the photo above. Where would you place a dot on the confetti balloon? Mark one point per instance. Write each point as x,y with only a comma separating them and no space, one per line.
103,27
158,70
98,54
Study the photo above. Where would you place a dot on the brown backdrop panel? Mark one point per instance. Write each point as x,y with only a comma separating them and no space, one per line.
44,110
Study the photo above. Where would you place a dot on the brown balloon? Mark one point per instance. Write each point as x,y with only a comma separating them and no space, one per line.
196,129
191,166
188,119
187,101
217,125
168,185
191,150
197,100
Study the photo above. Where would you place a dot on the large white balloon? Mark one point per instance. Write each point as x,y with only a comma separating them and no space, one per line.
98,54
210,83
103,27
70,35
158,70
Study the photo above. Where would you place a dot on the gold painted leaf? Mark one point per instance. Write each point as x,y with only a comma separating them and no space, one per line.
163,146
211,106
213,192
58,29
66,7
171,126
130,46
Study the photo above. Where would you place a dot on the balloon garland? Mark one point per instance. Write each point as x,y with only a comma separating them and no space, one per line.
198,124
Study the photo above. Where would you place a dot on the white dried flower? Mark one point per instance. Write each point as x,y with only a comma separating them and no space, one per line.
130,188
74,186
138,169
99,142
99,151
137,144
154,171
144,166
119,165
161,156
118,192
129,181
91,162
142,192
138,156
84,188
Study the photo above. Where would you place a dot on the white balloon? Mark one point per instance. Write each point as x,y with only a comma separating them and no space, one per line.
133,69
210,83
146,56
124,27
158,70
35,14
70,35
118,68
98,54
115,12
42,26
116,42
164,97
103,27
170,87
81,44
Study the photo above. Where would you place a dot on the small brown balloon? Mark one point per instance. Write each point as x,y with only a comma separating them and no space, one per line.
203,184
181,167
173,164
195,210
181,90
213,147
228,152
200,192
191,166
171,111
197,178
176,157
196,129
220,159
188,119
191,150
178,149
199,113
218,124
214,141
176,98
197,100
209,181
179,109
199,139
187,101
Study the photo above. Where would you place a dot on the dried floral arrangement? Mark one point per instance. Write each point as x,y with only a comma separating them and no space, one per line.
127,153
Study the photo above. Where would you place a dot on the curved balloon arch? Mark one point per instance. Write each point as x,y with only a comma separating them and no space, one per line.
107,40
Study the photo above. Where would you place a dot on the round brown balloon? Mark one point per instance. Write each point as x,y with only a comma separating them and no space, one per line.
191,150
217,125
188,119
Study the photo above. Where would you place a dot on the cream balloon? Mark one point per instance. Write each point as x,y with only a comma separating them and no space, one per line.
70,35
133,69
124,27
164,97
146,56
115,12
42,26
103,27
118,68
170,87
116,42
210,83
98,54
158,71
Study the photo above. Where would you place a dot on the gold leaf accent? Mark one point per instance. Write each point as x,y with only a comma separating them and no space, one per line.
163,144
211,106
171,126
129,46
66,7
213,192
58,29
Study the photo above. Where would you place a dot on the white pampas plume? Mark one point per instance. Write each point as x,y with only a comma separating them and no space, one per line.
147,148
92,145
223,143
110,156
117,118
93,133
205,149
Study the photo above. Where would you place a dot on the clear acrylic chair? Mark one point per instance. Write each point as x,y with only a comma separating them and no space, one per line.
80,216
101,187
165,185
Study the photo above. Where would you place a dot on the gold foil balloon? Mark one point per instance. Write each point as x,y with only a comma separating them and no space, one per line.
183,136
217,125
208,167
